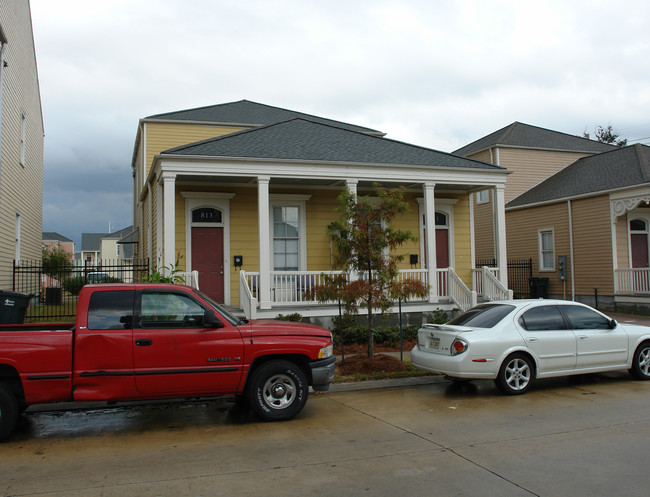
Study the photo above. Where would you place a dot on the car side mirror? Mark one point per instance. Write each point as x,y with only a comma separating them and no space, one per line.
210,319
612,324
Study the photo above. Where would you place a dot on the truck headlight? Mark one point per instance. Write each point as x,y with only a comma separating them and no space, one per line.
328,351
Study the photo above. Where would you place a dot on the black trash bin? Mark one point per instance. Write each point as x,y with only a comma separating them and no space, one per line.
13,306
538,288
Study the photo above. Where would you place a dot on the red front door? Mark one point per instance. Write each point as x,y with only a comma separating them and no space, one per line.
207,259
639,249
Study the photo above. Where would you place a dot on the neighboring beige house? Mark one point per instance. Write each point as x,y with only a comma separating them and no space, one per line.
112,250
243,192
595,213
21,141
532,154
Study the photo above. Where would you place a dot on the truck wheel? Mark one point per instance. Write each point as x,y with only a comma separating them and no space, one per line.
277,390
8,411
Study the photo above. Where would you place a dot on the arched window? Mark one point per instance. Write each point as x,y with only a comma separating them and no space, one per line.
207,215
639,243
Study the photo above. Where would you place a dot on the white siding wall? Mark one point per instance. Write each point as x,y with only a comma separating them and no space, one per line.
21,185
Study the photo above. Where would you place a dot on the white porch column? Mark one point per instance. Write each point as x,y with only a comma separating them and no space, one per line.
169,217
352,186
500,233
430,235
265,241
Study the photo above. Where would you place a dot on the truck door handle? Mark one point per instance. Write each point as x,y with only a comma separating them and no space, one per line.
144,342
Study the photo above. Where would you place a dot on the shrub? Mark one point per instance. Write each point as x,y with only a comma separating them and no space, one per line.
296,317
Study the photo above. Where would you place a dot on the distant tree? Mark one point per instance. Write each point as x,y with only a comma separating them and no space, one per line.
56,261
606,135
364,238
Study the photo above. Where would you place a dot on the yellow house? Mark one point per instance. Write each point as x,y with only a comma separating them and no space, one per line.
243,193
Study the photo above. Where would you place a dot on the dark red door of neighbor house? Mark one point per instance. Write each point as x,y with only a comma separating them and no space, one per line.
442,248
639,249
207,259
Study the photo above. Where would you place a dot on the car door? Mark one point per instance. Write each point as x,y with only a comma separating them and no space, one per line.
176,352
598,344
548,336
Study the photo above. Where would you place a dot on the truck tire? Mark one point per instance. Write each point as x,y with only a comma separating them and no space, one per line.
277,390
8,411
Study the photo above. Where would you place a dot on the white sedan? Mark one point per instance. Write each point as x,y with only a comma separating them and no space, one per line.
516,341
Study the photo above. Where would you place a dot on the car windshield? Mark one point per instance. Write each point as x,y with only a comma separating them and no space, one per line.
218,307
483,316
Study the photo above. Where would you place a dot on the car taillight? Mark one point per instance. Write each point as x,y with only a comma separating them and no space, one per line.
458,346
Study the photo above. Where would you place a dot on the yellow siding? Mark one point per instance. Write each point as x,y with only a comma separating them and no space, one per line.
163,136
321,211
462,240
483,230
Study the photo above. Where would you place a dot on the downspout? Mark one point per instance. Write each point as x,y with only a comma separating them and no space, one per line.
3,44
573,280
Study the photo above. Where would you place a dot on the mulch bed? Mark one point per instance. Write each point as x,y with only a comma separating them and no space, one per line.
357,362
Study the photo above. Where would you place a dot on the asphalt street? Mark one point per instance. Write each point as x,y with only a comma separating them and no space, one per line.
586,435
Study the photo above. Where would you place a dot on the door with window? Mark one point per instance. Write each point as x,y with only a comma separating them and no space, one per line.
174,351
207,251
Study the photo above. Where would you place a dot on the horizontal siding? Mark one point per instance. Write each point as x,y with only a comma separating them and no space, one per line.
21,185
622,243
163,136
531,167
592,245
483,230
522,239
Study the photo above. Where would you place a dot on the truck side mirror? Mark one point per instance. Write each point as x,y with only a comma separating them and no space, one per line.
210,319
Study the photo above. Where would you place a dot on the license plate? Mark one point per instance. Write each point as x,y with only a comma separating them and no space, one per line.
434,343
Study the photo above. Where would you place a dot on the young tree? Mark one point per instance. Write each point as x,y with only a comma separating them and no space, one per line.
607,135
365,239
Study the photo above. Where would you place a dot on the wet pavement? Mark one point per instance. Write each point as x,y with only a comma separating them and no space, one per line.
585,435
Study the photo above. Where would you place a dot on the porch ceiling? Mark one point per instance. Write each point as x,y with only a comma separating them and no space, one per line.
322,183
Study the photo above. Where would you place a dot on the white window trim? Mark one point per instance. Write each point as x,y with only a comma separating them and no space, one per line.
543,269
485,200
289,200
630,217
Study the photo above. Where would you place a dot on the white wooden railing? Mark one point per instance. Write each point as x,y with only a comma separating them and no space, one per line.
190,278
632,281
492,287
477,278
462,296
295,288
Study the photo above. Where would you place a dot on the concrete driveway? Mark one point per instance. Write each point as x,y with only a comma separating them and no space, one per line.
567,437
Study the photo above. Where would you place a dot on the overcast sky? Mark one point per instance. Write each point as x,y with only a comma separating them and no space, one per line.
435,73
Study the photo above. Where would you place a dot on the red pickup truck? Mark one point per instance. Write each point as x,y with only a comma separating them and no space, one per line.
157,341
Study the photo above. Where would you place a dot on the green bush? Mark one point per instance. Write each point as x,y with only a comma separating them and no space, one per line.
296,317
388,336
75,284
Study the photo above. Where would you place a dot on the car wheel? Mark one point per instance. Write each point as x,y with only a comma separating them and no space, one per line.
641,362
516,375
8,411
277,390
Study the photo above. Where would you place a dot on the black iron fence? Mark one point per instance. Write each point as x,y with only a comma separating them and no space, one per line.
520,271
54,290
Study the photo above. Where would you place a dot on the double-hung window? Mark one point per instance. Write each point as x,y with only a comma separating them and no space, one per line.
286,238
546,243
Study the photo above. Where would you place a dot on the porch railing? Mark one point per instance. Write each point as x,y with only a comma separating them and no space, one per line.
294,288
477,278
492,287
632,281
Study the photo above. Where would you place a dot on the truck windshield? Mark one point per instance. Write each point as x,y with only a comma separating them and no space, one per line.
228,316
483,316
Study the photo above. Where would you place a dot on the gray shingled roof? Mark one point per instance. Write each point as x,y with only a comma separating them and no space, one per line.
620,168
524,135
50,236
299,139
245,112
91,242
